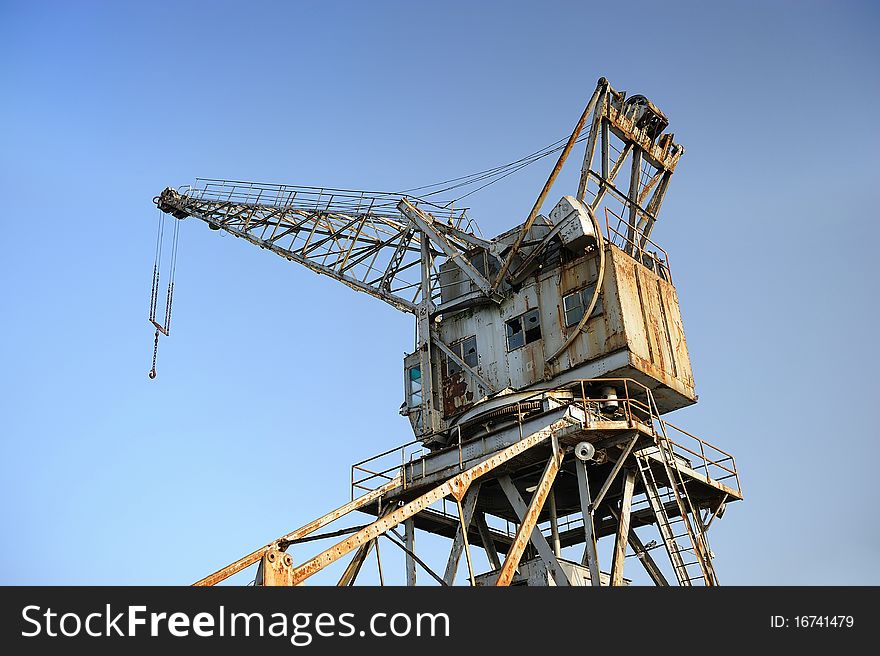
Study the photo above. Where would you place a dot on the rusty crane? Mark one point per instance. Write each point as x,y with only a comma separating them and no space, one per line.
544,361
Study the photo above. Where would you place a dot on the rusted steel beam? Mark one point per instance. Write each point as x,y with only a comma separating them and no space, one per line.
488,542
467,547
635,179
430,419
460,540
606,182
426,225
719,510
352,245
530,520
604,139
617,466
589,151
254,556
554,525
649,185
446,526
409,530
539,542
396,258
379,564
547,185
456,486
591,556
622,536
395,539
643,555
354,567
650,216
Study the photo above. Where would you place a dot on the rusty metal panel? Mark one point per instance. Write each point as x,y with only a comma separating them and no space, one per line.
623,271
490,344
458,395
653,327
676,334
653,321
459,391
615,328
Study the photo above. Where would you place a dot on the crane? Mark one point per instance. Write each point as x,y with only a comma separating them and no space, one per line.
554,319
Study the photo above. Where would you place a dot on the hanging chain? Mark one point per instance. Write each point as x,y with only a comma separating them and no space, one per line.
152,373
164,327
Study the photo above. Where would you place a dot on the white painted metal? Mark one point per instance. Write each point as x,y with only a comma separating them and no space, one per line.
535,573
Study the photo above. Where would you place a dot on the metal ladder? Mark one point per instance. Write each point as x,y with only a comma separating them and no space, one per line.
690,559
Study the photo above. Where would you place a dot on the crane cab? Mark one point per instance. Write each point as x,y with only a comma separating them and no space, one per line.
518,346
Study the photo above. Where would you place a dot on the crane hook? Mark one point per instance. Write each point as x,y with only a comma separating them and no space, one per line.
152,373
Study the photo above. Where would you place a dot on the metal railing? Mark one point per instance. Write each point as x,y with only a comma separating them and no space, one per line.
319,199
635,244
366,479
634,405
716,464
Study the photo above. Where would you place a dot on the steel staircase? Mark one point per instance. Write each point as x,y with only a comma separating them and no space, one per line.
683,534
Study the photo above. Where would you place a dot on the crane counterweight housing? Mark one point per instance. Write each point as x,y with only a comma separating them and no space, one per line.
553,348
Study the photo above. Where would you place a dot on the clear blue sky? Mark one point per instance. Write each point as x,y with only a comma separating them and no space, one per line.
275,380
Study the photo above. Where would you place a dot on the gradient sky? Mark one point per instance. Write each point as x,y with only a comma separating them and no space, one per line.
275,380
